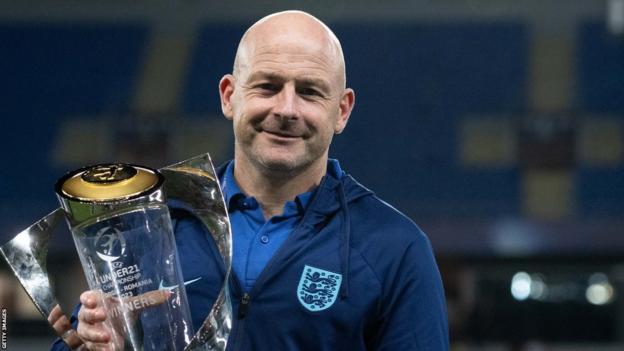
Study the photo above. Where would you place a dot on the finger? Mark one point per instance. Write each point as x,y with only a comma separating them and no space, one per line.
90,298
63,328
71,339
61,325
148,299
157,297
93,334
96,347
92,315
55,314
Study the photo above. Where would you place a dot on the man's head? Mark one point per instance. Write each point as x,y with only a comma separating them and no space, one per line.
286,96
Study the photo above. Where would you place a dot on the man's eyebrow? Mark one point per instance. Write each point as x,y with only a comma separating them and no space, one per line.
264,75
307,81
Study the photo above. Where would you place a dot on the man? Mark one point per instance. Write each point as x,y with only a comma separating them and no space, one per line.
320,263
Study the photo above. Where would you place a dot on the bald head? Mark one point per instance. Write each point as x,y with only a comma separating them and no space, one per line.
286,99
290,29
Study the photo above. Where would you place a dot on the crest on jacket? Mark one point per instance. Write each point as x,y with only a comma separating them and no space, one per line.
318,288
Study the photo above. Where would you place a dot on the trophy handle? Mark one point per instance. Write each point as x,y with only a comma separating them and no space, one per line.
194,185
26,255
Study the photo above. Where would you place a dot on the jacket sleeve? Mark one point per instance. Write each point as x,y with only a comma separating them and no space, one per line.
413,309
58,344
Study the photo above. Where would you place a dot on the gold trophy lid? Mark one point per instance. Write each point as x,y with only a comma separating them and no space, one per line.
108,182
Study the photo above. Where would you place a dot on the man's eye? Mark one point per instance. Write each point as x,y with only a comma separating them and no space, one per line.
309,92
268,87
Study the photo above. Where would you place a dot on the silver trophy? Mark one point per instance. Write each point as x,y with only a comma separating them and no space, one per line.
120,223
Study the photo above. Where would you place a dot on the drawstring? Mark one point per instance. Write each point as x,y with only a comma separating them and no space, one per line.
345,244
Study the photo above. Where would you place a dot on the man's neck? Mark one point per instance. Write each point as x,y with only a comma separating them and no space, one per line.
273,189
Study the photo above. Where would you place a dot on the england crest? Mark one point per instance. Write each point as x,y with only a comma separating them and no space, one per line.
318,288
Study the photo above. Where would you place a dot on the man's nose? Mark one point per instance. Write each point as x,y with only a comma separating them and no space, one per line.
287,103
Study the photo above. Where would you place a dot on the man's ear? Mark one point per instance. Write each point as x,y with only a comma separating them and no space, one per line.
226,90
347,101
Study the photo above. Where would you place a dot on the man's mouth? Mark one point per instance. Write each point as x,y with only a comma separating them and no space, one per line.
281,134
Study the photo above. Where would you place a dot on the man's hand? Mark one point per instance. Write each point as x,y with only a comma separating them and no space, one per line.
63,327
92,328
97,329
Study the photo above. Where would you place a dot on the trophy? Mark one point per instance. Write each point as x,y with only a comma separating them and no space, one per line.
120,223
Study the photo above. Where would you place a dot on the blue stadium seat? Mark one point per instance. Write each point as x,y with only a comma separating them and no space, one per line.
600,69
414,82
55,71
212,57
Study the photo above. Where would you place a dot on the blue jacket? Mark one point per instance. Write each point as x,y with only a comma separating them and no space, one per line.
356,274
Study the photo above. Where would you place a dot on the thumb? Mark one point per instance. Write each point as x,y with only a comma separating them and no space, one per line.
148,299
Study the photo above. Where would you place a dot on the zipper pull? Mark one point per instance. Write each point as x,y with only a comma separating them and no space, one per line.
242,308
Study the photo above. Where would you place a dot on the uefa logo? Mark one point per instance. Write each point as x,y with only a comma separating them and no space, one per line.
110,244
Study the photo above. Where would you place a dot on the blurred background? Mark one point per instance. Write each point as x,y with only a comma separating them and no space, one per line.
496,125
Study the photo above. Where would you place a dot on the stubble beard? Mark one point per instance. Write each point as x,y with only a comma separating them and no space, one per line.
281,167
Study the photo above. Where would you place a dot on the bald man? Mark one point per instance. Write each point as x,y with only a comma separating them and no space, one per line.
320,263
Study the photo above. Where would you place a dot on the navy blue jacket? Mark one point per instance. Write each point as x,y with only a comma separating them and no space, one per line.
390,296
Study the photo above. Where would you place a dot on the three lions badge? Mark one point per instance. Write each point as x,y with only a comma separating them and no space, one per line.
318,288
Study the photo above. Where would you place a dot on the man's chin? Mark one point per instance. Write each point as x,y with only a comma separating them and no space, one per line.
280,164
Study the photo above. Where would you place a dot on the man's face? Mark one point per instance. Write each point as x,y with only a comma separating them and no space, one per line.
287,101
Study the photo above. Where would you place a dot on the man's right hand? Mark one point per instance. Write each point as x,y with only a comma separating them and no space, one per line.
93,329
97,331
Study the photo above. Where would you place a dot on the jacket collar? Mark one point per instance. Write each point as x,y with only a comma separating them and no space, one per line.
325,200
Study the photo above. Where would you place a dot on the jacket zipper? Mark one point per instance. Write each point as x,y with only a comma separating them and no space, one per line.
242,312
244,304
